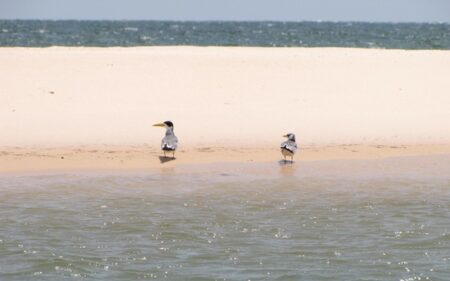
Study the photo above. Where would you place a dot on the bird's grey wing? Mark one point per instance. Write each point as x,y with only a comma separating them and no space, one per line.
175,142
289,145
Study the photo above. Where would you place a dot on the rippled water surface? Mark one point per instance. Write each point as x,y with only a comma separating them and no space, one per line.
223,227
268,34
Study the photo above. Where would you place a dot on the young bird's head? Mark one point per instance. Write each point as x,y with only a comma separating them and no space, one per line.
290,137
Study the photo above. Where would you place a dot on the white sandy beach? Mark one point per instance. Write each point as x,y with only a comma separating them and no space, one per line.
232,104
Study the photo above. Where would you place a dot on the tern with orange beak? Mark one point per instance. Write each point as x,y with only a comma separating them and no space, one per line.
289,147
169,141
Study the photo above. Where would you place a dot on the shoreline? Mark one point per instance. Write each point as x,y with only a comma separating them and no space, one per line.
134,158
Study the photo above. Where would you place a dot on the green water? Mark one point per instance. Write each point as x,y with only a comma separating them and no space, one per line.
231,225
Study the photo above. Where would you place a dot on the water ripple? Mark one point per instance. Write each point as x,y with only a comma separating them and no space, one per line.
130,227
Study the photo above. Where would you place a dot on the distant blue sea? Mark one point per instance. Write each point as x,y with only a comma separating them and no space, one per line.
32,33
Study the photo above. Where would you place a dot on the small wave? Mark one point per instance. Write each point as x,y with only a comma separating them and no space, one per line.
133,29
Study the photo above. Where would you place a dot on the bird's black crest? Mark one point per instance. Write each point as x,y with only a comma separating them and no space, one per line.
169,124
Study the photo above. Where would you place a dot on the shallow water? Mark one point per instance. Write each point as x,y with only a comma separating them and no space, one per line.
228,224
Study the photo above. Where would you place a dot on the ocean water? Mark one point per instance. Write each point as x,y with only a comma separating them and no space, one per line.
267,34
287,222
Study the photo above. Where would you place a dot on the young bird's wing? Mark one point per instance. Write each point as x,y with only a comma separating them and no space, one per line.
289,146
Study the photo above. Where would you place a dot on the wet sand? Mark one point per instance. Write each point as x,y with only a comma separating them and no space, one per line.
128,158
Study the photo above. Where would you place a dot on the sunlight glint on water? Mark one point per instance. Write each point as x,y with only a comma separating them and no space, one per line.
148,227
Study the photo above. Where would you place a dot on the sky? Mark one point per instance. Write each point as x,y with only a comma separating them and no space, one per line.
247,10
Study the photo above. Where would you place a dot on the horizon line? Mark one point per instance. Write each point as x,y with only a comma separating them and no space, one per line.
226,21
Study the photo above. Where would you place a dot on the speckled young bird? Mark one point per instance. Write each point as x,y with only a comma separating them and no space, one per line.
169,141
289,147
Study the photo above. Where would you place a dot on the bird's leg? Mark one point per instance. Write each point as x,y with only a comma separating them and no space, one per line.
164,153
292,158
173,154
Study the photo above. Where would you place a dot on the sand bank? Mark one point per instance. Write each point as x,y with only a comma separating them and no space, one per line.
228,104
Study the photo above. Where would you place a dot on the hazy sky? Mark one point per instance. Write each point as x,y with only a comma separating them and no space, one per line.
284,10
